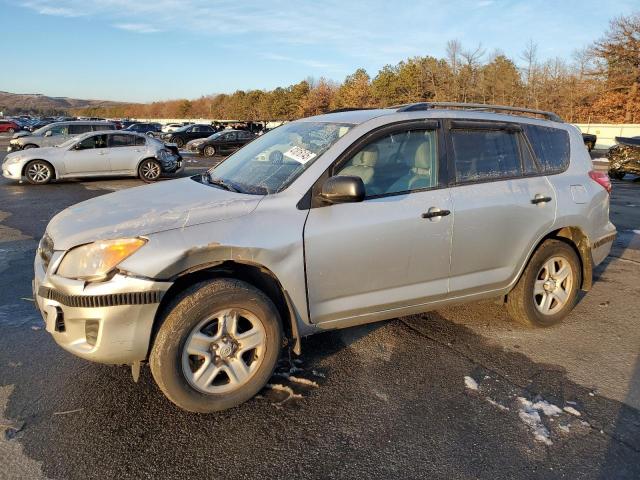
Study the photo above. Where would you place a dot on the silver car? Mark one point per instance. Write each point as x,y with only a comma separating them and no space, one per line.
55,134
95,154
326,222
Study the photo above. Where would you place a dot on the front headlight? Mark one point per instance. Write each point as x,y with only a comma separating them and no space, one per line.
12,159
95,261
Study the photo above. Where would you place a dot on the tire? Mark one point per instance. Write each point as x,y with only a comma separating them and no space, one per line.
38,172
526,302
195,315
178,141
29,145
149,170
12,130
209,151
617,175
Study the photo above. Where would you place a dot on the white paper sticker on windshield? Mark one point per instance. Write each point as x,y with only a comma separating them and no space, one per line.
299,154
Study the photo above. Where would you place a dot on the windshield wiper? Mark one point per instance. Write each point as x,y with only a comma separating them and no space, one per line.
220,183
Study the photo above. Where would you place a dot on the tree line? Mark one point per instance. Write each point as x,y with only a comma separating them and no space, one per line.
600,83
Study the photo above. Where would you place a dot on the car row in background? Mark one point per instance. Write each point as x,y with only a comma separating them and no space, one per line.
55,134
220,143
148,128
188,132
100,153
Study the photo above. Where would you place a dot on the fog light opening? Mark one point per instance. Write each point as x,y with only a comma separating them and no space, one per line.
91,329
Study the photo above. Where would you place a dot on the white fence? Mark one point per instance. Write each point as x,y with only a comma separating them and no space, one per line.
606,132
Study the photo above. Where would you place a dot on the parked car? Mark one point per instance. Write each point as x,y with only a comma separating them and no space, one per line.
171,127
9,126
589,140
39,124
95,154
223,143
325,222
148,128
55,134
188,132
624,157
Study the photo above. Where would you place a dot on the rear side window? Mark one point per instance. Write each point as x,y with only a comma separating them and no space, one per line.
485,154
121,140
78,129
551,146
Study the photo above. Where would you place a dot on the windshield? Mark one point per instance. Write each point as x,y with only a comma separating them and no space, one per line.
214,136
42,130
69,142
271,162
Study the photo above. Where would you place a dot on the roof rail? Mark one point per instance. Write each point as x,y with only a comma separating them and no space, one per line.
349,109
412,107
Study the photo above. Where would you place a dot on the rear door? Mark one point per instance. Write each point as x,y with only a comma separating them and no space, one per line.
502,204
89,157
391,250
124,151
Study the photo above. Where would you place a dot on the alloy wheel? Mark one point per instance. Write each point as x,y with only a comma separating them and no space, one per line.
553,285
223,351
38,172
150,170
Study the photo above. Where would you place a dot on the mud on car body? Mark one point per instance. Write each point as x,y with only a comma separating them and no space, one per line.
326,222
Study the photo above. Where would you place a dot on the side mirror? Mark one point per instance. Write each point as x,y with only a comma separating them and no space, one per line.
343,189
48,133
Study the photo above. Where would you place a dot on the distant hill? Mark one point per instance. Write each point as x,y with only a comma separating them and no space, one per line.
36,102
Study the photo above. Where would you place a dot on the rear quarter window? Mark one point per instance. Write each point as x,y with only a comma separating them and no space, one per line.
485,154
551,147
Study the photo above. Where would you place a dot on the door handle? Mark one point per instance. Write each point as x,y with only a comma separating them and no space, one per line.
540,199
435,212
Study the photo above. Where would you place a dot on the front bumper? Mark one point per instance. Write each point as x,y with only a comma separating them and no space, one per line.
13,172
107,322
14,147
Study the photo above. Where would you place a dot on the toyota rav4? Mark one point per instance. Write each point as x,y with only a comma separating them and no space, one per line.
326,222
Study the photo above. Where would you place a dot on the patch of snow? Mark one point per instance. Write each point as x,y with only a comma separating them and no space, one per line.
470,383
303,381
564,428
496,404
572,411
531,417
570,402
549,409
283,388
315,373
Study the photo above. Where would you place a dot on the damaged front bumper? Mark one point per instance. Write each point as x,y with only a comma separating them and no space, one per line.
106,322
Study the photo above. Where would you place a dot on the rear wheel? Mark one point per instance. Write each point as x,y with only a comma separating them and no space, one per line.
548,288
38,172
209,151
217,347
149,170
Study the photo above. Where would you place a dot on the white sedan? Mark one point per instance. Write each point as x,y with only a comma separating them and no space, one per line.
105,153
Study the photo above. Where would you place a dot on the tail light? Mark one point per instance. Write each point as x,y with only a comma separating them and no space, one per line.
602,178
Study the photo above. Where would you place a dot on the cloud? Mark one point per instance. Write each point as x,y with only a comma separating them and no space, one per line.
137,27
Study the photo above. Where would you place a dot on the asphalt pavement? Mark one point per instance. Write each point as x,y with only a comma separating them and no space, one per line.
457,393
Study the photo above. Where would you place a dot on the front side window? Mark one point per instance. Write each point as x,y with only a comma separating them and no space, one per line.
485,154
551,146
399,162
273,161
59,130
94,141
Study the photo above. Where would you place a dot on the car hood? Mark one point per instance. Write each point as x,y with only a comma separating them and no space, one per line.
22,134
145,210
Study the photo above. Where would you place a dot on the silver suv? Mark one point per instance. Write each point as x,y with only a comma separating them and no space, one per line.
55,134
323,223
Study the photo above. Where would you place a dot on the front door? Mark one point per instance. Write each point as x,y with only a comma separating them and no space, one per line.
89,156
391,250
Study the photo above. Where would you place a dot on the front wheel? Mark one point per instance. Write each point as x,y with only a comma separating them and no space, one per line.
149,170
38,172
548,288
217,347
178,141
209,151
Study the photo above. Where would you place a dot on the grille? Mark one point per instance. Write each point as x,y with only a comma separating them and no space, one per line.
45,250
98,301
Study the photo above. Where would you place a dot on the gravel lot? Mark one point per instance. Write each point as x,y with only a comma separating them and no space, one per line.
455,393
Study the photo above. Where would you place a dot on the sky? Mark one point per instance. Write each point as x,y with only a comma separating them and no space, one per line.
144,50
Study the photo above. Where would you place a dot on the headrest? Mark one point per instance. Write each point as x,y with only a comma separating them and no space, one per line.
422,158
368,156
